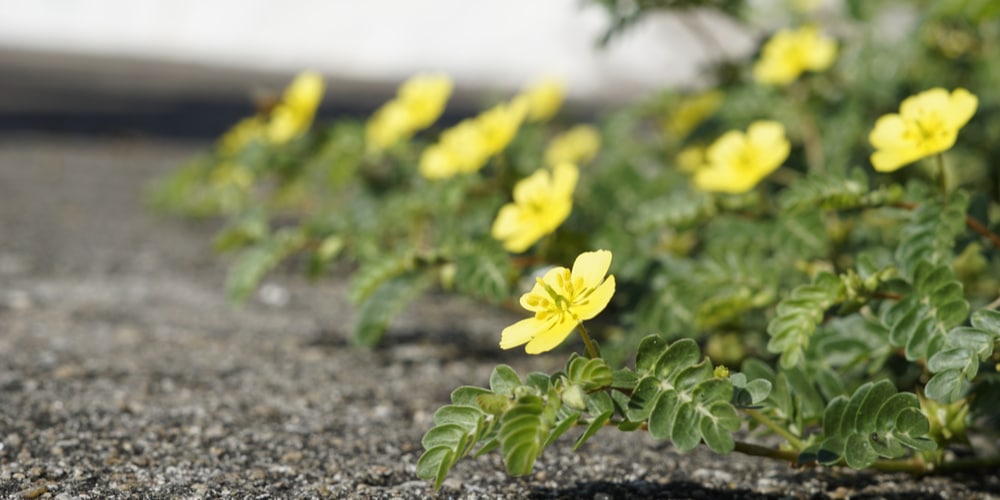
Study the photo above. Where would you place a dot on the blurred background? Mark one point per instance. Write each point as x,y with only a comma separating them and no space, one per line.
190,68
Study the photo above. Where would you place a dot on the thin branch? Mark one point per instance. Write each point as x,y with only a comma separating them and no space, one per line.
970,222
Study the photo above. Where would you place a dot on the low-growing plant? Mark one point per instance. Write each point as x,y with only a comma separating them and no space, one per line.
808,247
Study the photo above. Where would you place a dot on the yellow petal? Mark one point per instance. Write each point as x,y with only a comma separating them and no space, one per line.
597,300
963,105
723,180
935,99
550,338
889,133
564,178
591,267
521,332
889,160
727,148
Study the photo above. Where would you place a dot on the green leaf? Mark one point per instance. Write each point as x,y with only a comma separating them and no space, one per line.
930,233
643,399
466,395
955,358
717,424
589,374
484,271
987,320
561,427
875,421
650,350
504,380
685,433
858,451
435,463
256,261
467,417
456,430
388,300
797,316
522,434
679,355
596,424
947,386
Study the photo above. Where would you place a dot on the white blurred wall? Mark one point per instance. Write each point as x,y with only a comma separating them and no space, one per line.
501,44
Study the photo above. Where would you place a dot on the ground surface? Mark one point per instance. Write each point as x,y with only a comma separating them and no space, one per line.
125,374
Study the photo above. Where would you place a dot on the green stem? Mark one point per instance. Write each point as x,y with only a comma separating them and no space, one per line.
942,175
592,351
912,466
774,427
763,451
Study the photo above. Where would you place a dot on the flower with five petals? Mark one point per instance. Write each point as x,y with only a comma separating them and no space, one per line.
927,124
561,300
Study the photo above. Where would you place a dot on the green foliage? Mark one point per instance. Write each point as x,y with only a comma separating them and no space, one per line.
874,422
919,322
956,364
825,276
930,233
680,397
836,191
797,316
254,262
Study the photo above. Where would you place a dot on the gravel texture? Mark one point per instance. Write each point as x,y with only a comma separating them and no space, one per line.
124,373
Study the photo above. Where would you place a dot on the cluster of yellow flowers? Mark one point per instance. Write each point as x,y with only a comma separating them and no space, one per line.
542,201
289,118
789,53
577,145
467,146
926,125
419,102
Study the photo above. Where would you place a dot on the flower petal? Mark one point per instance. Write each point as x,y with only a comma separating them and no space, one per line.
889,133
552,337
521,332
591,267
723,180
962,107
564,177
597,300
890,160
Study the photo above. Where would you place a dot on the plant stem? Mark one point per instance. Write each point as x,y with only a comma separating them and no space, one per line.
763,451
774,427
970,222
592,351
942,175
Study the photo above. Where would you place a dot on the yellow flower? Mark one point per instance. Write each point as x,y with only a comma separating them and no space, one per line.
789,53
419,102
499,124
295,113
691,158
461,149
425,97
542,201
466,147
692,111
927,124
388,125
561,299
543,99
238,136
738,161
577,145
